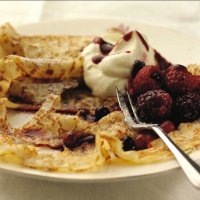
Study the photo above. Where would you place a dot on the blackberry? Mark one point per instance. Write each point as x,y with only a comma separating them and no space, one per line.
187,106
154,105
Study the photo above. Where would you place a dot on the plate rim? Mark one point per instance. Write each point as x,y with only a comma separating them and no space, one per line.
116,19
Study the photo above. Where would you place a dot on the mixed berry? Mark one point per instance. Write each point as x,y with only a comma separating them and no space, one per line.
146,79
100,112
188,106
73,140
154,105
163,96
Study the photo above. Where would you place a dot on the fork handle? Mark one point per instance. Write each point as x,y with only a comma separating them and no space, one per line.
191,168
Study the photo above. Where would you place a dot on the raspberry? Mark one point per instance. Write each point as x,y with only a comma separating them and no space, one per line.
167,126
143,140
187,107
154,105
179,80
148,78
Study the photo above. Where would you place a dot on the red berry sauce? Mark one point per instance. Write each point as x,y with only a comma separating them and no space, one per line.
104,46
97,59
128,36
143,41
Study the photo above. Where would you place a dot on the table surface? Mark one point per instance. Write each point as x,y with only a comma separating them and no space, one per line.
181,16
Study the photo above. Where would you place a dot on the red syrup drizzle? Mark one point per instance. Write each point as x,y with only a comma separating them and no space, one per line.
105,49
162,62
128,36
97,59
143,41
98,40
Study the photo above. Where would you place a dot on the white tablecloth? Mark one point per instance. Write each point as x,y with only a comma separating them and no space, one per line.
181,16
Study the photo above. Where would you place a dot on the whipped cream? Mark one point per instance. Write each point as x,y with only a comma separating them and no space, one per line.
109,65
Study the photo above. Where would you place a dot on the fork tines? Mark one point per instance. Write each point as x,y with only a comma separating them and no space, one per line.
133,122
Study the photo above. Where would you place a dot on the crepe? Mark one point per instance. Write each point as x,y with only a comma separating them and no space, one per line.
59,47
194,69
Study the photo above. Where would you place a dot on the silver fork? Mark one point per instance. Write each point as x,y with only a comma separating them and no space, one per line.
191,168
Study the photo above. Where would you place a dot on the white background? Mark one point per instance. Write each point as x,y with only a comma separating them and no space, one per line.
183,17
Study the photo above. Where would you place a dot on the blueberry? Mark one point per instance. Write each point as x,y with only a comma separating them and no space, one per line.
101,112
128,144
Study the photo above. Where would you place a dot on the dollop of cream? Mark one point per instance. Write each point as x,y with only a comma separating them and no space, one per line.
114,68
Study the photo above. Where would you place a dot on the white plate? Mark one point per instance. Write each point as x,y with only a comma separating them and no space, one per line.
175,47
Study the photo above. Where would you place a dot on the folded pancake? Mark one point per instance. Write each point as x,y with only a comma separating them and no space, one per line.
12,68
27,82
59,47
